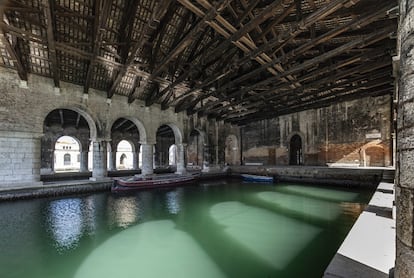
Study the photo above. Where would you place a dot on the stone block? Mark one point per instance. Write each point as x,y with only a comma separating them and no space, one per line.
406,177
404,224
404,262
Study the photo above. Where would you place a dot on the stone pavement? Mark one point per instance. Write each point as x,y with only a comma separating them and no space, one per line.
369,248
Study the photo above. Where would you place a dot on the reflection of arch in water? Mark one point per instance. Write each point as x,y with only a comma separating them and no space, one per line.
231,150
295,150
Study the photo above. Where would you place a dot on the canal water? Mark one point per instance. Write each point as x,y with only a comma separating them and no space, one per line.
216,229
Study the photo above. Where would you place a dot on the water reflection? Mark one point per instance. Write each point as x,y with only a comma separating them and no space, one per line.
123,211
65,222
173,200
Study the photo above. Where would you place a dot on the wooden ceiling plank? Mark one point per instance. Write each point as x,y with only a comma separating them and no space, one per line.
21,71
316,60
146,33
48,10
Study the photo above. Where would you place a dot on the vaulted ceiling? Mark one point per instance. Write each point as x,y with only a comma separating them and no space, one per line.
237,61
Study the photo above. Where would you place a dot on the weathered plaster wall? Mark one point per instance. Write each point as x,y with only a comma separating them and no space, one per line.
352,133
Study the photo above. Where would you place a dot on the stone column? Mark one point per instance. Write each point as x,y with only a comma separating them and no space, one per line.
206,158
84,161
147,159
20,158
135,156
112,161
181,150
99,171
404,265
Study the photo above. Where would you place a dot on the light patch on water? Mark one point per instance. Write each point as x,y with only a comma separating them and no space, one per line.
321,193
173,200
123,211
151,249
273,238
314,208
65,222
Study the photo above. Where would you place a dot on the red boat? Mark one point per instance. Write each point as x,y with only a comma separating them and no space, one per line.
154,181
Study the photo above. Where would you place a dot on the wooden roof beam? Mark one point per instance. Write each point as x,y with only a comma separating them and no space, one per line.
21,71
188,39
48,10
364,40
311,19
101,12
146,34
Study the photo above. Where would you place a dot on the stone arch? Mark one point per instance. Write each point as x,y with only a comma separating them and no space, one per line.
93,123
178,134
142,130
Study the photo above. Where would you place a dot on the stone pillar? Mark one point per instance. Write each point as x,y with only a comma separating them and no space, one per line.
135,156
19,158
99,171
181,150
111,161
84,161
404,265
206,158
47,154
147,159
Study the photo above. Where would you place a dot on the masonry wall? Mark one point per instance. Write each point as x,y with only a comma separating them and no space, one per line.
404,265
353,133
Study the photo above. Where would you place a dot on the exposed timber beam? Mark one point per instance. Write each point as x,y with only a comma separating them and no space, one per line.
150,27
361,42
101,12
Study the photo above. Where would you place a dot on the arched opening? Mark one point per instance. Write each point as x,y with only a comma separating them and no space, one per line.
165,140
296,156
195,149
67,154
124,155
231,150
70,123
125,136
374,156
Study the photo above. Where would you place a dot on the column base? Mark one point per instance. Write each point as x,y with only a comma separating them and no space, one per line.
99,179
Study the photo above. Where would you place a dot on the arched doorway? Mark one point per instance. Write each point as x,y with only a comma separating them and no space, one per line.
125,136
165,140
67,154
295,150
65,122
124,156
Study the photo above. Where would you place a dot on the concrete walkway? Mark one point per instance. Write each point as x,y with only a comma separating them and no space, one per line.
369,248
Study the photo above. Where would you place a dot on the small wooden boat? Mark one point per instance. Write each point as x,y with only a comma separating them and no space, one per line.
256,178
153,181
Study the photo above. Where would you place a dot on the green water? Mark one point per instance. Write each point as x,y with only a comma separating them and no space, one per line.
217,229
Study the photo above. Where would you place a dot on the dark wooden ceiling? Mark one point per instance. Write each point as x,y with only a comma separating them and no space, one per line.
238,61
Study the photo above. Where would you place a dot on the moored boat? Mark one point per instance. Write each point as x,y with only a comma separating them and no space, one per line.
153,181
256,178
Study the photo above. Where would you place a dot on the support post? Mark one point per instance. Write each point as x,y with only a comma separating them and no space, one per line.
147,159
181,149
99,171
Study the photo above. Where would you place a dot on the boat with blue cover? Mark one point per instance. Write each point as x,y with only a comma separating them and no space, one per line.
257,178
